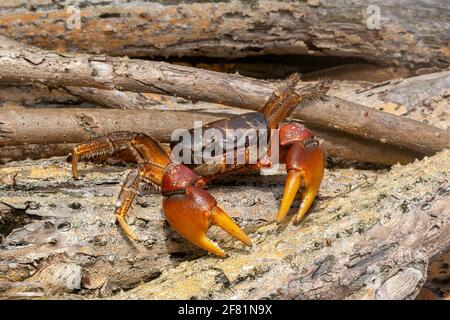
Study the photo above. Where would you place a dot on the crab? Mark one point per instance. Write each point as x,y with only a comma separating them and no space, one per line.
187,206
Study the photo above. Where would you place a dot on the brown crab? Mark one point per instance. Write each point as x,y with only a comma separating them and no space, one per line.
187,206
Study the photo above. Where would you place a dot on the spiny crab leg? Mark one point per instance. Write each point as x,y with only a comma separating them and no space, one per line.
126,198
305,164
192,213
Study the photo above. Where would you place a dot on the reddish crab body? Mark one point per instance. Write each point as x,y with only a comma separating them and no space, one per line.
187,206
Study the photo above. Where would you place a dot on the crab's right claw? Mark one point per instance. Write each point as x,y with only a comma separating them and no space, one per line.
192,212
305,166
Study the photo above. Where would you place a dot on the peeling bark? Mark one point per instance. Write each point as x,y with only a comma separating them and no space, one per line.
239,29
425,98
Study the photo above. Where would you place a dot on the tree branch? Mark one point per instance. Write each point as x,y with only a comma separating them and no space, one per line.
25,127
26,64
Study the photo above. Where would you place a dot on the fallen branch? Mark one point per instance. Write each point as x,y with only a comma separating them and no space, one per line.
238,29
24,127
114,99
368,236
34,151
26,64
422,91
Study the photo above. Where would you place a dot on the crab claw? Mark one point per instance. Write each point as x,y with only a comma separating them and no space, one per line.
305,166
192,212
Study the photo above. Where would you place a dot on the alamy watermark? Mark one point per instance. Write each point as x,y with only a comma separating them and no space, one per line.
230,146
373,17
73,22
373,21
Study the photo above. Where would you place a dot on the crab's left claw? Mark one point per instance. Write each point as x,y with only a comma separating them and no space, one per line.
305,166
192,212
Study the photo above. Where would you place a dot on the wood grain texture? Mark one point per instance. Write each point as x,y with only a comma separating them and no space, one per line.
368,236
230,29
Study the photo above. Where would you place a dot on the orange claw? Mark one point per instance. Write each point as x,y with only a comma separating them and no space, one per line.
305,165
293,181
191,213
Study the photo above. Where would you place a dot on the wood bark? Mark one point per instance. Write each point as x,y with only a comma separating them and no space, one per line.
34,151
139,28
424,98
29,64
367,236
25,127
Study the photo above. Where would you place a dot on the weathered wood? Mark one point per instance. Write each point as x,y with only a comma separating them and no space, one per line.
425,98
361,72
34,151
114,99
367,236
25,126
27,64
238,28
34,95
376,260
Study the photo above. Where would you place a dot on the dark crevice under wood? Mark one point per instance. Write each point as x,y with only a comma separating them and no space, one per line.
281,66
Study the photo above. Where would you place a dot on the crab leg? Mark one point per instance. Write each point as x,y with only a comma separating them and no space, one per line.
126,198
191,210
124,145
145,173
131,147
305,163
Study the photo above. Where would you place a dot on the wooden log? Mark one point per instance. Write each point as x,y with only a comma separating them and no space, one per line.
25,126
238,29
367,236
114,99
27,64
425,98
34,151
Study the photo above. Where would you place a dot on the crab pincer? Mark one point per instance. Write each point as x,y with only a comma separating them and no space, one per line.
305,164
191,210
